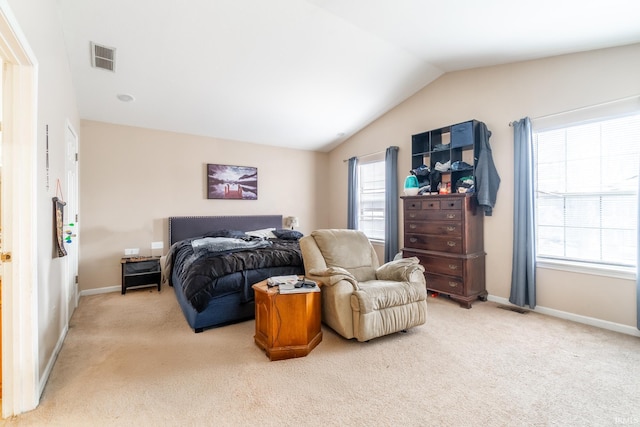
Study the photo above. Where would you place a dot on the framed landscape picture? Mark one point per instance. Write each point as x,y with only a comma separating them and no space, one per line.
232,182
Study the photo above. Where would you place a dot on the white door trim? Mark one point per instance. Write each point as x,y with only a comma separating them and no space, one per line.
73,204
19,295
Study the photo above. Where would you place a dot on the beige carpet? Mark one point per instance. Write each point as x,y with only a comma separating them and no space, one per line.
132,360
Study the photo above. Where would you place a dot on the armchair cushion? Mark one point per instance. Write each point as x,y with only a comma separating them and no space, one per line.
381,294
400,270
348,249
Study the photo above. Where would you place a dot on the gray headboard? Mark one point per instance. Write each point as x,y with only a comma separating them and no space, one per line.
183,227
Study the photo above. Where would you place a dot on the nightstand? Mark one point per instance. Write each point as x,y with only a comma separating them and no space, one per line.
140,271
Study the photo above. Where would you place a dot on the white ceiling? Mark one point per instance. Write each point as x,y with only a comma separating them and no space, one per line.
307,74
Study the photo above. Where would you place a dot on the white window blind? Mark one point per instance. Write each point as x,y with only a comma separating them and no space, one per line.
586,191
371,196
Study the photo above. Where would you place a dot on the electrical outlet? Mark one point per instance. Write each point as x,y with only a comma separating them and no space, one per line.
157,245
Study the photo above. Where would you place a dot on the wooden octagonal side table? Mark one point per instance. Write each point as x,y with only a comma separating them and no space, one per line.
287,325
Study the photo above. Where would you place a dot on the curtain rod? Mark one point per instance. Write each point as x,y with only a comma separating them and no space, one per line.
366,155
580,108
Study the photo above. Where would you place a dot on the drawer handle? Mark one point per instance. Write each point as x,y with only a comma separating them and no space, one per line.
413,205
431,204
451,228
453,284
453,267
451,216
452,204
413,240
451,244
412,215
412,226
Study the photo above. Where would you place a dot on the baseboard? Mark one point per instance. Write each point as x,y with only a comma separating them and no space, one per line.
52,360
592,321
97,291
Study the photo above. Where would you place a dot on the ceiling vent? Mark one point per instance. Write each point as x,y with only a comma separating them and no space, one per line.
103,57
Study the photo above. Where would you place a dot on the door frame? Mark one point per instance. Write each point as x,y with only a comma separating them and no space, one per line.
70,293
19,291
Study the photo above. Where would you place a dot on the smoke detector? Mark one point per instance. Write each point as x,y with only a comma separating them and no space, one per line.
125,97
103,57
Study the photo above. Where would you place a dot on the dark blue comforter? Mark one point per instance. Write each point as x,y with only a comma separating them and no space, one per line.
204,274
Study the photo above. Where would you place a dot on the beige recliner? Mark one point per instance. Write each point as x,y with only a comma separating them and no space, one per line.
360,298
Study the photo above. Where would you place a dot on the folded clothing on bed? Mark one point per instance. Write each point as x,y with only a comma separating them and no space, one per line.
227,244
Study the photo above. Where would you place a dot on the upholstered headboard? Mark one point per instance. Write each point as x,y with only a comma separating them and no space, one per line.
183,227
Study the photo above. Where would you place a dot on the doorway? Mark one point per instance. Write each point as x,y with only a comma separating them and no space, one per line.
1,250
71,226
18,216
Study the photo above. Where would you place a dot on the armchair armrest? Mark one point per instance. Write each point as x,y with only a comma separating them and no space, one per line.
399,270
332,275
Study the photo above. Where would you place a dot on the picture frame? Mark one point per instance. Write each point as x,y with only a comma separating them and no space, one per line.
232,182
58,224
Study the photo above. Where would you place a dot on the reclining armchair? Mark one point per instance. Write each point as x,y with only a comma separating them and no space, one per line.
360,298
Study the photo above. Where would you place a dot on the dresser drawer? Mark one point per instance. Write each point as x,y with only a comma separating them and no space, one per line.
434,203
445,284
448,244
434,215
434,228
141,267
413,205
442,203
442,265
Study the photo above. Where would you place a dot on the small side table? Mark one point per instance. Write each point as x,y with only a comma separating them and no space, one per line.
140,271
287,325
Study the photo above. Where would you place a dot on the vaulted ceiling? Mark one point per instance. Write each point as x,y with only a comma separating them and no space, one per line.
307,74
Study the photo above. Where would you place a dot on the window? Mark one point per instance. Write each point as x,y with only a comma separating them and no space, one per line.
586,182
371,197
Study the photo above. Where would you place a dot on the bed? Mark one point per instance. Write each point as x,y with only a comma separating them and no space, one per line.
213,287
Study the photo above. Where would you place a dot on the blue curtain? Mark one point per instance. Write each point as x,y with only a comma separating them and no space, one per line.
391,203
352,202
523,270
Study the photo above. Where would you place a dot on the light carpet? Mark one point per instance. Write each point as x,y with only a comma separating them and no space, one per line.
132,360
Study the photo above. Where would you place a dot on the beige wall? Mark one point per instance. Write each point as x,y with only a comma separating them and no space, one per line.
38,20
133,179
498,95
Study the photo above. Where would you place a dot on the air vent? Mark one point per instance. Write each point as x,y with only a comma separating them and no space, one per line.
513,308
103,57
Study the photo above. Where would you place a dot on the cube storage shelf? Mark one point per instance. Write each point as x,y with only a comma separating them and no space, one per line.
447,144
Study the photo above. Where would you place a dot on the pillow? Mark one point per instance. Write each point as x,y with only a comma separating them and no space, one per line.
265,233
235,234
286,234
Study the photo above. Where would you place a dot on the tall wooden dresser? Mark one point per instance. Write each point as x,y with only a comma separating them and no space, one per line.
446,233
